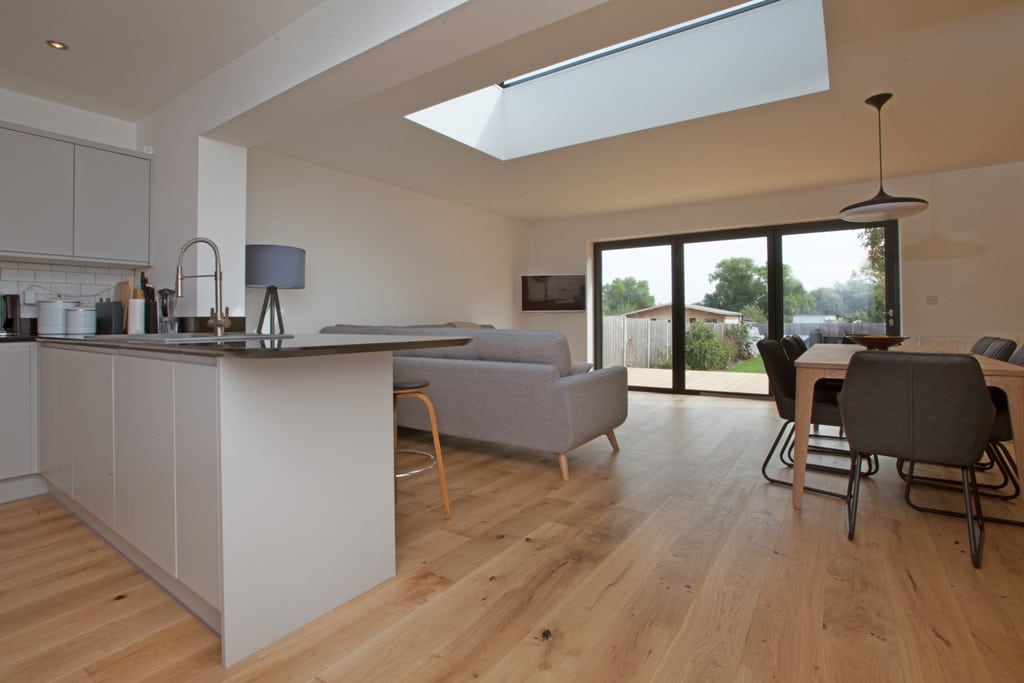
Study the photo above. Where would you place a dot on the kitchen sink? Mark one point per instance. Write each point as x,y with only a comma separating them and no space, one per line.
191,337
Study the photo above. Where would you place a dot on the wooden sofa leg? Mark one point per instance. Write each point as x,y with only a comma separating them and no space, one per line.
563,464
613,440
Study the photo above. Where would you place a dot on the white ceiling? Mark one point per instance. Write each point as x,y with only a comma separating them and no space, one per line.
954,66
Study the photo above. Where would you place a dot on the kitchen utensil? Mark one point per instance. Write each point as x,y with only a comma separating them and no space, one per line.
123,294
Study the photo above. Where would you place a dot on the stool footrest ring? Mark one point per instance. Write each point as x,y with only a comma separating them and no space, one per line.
429,466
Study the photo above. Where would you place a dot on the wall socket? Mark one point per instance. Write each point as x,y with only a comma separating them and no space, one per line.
931,300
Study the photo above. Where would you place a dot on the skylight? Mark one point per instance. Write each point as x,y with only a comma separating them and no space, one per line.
635,42
750,54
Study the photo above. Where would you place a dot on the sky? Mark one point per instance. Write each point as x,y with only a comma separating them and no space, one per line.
818,260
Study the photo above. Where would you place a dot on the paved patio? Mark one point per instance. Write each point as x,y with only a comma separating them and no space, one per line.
701,380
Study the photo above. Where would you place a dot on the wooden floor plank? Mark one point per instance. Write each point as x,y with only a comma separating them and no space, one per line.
672,560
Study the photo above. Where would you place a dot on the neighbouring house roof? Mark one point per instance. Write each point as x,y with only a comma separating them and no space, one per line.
690,307
709,309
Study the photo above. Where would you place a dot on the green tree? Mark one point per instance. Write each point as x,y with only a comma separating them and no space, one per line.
873,241
742,285
795,298
739,282
705,351
828,301
751,313
625,295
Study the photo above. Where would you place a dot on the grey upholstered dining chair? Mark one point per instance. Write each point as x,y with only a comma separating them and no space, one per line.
1007,487
924,408
824,411
981,344
999,349
793,345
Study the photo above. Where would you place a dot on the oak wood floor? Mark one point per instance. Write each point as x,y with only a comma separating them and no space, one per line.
672,561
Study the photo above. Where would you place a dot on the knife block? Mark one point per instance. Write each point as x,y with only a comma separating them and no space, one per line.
109,317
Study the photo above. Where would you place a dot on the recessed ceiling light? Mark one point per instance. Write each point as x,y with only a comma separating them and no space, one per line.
57,45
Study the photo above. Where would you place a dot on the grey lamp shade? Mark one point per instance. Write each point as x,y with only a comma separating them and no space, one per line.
275,265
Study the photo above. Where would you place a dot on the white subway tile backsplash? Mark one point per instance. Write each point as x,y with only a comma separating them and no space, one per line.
94,291
67,291
50,276
17,274
49,280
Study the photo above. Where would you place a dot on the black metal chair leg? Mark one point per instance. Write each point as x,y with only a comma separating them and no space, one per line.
1000,459
852,494
787,429
976,537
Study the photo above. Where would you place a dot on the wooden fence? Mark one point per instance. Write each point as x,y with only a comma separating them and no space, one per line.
644,343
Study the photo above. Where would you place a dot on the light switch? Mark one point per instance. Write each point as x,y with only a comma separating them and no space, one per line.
931,300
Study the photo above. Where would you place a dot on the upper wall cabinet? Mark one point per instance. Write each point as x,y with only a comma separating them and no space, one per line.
37,194
65,200
111,206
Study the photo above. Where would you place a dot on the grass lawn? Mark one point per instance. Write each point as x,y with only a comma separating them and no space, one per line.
755,365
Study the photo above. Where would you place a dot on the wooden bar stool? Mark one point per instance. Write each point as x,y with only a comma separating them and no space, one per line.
415,388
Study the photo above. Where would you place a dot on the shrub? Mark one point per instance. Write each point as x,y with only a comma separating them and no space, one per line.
737,338
705,351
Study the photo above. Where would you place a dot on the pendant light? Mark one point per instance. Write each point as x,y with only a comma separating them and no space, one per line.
882,206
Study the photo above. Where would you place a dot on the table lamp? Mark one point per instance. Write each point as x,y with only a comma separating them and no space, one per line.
274,266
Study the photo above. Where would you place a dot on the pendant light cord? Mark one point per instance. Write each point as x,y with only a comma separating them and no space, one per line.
879,109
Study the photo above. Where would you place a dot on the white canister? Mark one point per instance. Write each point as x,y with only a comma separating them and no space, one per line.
137,316
80,320
51,316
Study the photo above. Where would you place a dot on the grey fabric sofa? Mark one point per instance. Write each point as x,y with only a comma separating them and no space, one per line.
517,387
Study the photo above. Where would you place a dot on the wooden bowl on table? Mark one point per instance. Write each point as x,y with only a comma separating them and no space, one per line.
876,342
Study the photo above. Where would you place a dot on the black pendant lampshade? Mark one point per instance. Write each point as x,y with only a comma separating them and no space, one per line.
882,206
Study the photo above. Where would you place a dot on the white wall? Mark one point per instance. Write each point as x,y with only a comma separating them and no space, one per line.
966,250
376,253
58,118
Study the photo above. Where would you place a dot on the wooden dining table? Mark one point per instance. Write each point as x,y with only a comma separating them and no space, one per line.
822,361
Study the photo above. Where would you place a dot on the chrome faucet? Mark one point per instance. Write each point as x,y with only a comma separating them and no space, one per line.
218,321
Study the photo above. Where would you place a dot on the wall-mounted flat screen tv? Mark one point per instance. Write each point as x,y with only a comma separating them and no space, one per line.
554,292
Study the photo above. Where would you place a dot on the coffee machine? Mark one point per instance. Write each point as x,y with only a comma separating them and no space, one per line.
10,314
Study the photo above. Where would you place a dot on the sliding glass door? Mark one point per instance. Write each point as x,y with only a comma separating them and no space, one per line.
636,313
726,290
684,312
834,284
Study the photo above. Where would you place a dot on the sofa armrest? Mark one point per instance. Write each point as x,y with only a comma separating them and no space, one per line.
596,403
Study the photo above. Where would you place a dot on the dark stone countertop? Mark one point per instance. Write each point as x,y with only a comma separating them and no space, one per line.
299,345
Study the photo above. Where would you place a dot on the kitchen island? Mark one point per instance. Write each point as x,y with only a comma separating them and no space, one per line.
252,479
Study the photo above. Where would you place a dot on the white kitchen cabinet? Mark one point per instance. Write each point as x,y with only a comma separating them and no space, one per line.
46,388
17,409
111,206
91,425
37,190
61,473
68,200
144,456
197,476
76,430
